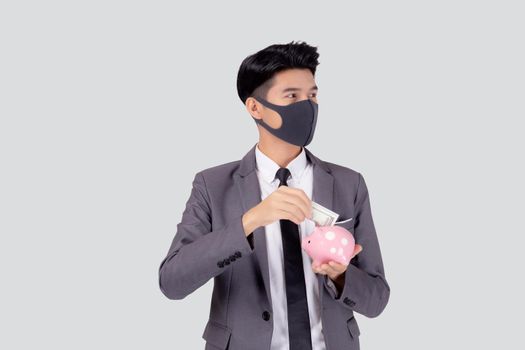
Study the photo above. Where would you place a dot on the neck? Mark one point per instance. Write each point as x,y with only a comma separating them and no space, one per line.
279,151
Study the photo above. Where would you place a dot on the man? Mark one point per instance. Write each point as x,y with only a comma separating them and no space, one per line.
244,220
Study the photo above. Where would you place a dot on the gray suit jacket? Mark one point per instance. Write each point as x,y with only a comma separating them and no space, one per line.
210,242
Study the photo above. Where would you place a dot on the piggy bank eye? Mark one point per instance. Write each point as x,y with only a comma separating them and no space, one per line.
308,241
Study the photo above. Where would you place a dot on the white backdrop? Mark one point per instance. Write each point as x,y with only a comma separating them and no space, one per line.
109,108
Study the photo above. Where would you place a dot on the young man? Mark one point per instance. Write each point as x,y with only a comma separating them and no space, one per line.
244,220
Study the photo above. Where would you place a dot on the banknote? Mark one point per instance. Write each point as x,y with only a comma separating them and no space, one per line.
323,216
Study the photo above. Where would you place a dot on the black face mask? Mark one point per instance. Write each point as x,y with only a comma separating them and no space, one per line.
299,120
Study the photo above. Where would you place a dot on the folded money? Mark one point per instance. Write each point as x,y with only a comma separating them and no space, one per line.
323,216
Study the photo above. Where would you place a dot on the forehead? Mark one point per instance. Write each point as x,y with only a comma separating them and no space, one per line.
301,78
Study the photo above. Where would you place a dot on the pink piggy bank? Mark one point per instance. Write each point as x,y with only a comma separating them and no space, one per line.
329,243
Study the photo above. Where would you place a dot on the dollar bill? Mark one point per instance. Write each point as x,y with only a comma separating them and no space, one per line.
323,216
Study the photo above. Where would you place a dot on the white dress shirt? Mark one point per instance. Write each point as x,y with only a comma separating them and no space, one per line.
301,176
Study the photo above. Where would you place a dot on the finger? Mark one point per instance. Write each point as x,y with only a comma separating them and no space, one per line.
318,269
289,216
304,197
288,202
299,198
331,272
340,268
292,208
315,269
328,269
321,272
294,198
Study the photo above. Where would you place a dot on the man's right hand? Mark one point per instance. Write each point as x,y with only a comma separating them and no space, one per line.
284,203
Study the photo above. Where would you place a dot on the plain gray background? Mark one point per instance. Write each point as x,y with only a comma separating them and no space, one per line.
109,108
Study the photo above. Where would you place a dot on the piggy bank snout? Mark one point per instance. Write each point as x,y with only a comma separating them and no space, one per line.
306,241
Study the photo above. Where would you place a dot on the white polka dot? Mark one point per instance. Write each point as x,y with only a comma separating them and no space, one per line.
344,241
329,235
332,250
340,252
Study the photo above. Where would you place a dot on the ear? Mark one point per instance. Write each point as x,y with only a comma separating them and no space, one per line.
254,107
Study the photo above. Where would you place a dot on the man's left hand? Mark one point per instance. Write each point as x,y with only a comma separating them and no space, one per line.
335,270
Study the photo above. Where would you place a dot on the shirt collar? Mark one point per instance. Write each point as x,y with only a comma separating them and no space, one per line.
268,168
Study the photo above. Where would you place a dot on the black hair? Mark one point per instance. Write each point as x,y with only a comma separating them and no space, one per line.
257,70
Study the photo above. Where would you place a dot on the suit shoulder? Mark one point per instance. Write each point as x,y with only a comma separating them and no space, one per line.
224,169
338,169
345,176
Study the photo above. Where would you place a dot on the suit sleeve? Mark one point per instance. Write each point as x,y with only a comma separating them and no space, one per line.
197,253
365,288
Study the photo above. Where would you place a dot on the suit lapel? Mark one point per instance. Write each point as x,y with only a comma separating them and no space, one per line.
250,194
322,193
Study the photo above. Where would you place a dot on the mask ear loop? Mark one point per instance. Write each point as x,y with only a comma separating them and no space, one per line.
258,99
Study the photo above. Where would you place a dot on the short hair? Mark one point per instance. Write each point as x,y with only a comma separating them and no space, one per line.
257,70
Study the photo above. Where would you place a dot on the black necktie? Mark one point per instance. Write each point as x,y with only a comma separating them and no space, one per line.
298,318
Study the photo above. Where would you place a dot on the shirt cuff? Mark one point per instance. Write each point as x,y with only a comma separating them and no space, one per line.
332,285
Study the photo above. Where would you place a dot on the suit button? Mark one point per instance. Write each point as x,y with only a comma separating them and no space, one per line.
348,301
238,254
266,315
220,264
232,257
226,262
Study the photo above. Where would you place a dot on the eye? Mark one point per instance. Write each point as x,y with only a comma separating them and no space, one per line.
308,241
292,94
314,94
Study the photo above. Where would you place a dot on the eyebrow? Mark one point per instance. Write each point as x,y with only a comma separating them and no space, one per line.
297,89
